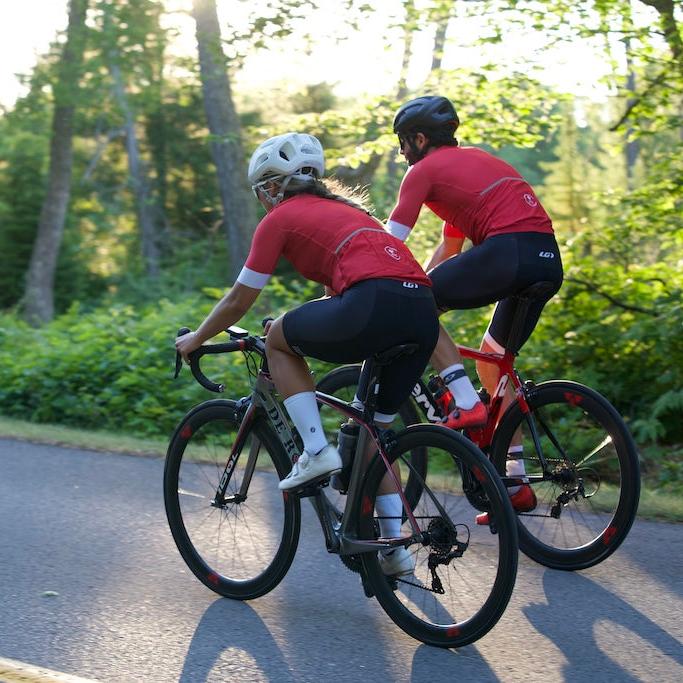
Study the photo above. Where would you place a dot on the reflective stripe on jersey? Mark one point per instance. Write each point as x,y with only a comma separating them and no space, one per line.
353,234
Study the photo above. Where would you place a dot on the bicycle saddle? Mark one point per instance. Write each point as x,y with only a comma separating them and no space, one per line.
391,354
539,290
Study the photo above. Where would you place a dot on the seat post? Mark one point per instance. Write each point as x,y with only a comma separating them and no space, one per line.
517,321
368,386
542,290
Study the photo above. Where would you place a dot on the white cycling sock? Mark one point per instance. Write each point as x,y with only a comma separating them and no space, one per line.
460,386
390,510
303,409
514,467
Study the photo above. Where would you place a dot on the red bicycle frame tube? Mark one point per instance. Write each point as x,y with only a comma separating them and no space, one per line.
505,364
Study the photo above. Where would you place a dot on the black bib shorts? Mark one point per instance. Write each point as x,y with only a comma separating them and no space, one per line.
367,318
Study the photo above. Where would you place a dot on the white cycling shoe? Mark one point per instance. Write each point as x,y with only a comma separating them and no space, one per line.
311,467
398,562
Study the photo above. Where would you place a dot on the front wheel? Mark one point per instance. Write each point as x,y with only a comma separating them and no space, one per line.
463,573
240,543
587,495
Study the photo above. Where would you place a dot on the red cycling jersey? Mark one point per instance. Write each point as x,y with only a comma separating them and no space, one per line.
330,242
476,194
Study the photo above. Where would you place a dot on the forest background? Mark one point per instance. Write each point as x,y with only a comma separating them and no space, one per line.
125,213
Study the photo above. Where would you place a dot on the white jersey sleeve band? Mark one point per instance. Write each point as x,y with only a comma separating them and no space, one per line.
398,230
252,278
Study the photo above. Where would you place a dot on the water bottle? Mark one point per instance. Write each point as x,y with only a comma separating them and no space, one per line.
346,445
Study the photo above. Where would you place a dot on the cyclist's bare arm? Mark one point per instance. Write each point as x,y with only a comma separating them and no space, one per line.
228,311
450,246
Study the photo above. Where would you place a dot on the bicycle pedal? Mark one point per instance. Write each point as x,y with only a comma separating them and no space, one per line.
312,488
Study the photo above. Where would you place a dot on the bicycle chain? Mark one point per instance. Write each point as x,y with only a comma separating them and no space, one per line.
439,590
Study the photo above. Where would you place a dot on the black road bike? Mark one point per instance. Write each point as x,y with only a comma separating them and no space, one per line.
238,533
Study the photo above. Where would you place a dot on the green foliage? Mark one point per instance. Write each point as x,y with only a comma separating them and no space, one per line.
618,316
107,361
111,368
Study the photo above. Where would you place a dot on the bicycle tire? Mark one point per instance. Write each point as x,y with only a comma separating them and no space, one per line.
476,585
244,549
603,459
345,379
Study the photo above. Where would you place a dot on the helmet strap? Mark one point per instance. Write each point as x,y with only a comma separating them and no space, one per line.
273,200
281,193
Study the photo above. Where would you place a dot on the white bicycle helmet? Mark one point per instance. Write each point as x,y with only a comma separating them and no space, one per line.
293,154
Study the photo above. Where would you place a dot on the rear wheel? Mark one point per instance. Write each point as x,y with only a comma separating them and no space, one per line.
464,574
241,546
588,497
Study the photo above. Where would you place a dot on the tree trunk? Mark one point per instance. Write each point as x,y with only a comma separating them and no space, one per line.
440,39
667,19
226,144
38,302
147,209
632,147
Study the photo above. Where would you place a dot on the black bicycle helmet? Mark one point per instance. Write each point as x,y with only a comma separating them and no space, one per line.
430,112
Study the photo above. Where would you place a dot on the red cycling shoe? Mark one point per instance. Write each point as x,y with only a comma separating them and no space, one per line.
460,418
523,500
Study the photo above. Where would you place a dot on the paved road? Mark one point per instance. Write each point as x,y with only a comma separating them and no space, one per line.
91,585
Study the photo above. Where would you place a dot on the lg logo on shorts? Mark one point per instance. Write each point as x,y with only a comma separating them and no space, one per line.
393,252
530,199
546,254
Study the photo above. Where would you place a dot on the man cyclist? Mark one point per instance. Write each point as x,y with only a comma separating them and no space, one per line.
369,274
483,199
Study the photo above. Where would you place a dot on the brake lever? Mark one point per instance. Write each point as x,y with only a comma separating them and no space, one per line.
178,357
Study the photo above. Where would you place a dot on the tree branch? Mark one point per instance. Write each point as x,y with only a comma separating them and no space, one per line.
634,102
101,146
592,287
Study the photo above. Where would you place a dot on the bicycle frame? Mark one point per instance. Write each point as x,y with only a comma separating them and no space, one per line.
483,436
339,539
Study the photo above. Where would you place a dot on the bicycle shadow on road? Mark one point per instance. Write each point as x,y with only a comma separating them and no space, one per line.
593,627
235,626
437,665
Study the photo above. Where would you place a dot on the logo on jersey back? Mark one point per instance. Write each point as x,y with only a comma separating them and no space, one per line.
393,252
530,199
546,254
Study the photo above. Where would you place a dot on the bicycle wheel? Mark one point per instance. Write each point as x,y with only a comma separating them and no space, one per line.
464,574
243,547
588,499
342,383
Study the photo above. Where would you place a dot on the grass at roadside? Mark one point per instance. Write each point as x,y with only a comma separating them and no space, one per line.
654,503
59,435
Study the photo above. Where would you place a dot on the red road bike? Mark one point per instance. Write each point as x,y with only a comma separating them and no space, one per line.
578,453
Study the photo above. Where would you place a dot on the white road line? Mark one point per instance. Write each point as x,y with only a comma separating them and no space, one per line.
12,671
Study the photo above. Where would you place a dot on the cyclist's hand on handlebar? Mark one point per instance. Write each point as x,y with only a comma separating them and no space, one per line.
267,323
187,343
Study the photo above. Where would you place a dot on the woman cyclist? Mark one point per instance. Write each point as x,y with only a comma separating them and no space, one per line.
369,276
486,200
